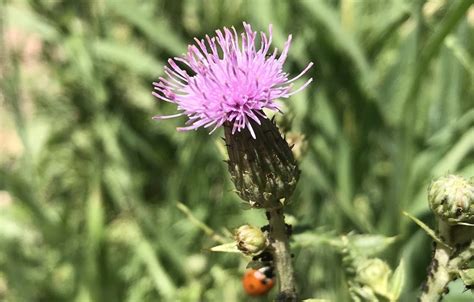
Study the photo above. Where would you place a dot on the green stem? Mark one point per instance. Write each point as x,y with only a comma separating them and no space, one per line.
282,256
204,227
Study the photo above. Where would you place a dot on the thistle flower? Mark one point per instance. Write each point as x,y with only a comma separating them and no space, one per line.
226,79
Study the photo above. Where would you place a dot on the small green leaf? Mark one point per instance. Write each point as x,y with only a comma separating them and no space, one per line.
427,229
226,248
397,281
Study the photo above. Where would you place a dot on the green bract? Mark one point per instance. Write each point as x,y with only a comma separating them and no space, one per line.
263,170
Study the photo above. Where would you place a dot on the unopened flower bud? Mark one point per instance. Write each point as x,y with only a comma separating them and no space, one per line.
451,198
250,239
374,273
262,169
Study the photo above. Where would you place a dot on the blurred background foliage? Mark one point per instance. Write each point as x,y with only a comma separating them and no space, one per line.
89,183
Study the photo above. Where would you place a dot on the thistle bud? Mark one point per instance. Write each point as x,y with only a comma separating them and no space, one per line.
250,240
374,273
263,168
451,198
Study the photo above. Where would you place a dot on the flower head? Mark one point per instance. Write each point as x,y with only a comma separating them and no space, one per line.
226,79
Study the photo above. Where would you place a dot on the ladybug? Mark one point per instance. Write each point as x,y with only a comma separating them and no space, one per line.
258,282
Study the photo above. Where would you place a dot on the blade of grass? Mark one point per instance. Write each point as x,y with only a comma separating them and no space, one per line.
162,281
156,28
431,48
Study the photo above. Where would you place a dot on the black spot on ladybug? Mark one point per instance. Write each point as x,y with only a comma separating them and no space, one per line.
269,273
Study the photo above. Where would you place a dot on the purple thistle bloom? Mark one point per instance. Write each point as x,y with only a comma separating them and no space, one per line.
231,81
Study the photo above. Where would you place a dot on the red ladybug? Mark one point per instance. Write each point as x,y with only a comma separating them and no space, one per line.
258,282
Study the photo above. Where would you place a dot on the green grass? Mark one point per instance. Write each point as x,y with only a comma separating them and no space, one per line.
95,185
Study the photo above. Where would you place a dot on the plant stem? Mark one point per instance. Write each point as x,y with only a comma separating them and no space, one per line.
447,262
282,256
438,275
